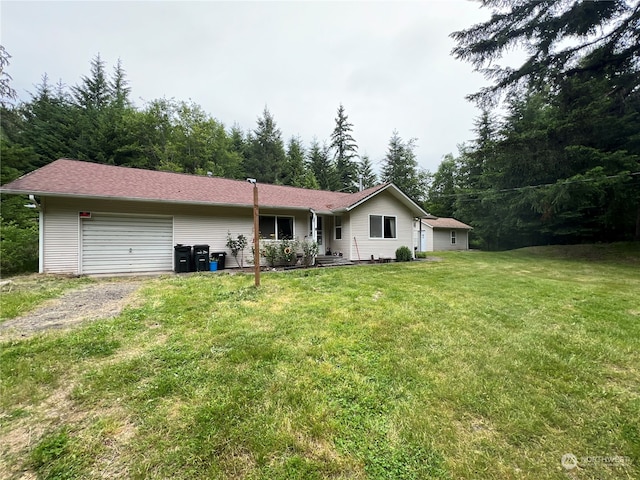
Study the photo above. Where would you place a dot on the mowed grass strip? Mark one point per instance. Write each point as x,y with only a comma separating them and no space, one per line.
482,365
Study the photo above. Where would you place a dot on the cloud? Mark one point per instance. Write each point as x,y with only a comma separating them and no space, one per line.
387,62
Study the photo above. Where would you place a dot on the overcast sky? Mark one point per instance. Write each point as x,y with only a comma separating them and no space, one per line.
388,63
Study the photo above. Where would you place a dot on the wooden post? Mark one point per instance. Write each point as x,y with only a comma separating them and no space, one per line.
256,236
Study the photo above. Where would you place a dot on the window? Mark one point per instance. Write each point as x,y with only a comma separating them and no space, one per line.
276,227
338,227
381,226
453,237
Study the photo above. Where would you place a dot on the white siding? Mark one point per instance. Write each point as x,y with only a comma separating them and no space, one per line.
211,225
442,239
342,245
61,231
429,239
382,204
192,225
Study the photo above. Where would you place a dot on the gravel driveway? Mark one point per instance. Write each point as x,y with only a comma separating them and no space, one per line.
103,300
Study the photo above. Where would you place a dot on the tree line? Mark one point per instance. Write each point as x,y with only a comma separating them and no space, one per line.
556,153
95,120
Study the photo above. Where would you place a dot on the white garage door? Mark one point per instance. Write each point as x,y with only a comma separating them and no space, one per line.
122,244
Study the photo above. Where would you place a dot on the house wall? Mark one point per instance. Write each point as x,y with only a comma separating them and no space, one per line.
429,239
442,239
329,233
60,237
382,204
192,225
342,245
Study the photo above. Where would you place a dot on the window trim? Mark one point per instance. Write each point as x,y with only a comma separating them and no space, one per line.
336,227
453,237
382,218
275,225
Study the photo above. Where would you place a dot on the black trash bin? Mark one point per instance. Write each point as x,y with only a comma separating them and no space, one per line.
182,258
201,258
220,258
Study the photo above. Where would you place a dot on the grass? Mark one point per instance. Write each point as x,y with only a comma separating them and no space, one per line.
481,365
24,292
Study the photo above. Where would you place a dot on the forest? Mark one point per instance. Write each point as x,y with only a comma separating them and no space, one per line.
555,158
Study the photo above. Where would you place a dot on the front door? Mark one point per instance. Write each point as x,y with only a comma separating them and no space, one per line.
319,232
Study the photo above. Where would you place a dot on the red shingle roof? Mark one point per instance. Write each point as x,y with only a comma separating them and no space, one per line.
446,223
75,178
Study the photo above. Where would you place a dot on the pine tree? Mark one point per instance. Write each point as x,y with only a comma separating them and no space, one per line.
51,123
293,171
365,172
119,86
345,152
563,39
266,155
94,92
401,168
7,93
441,195
322,167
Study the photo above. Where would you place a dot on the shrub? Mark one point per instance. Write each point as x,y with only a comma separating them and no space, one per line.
310,250
403,254
18,249
287,251
270,251
421,254
237,246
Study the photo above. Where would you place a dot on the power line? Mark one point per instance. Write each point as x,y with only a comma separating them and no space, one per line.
530,187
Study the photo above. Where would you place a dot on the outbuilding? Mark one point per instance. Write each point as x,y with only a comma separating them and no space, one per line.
437,234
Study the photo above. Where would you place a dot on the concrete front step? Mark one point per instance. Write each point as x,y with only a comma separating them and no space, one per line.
331,260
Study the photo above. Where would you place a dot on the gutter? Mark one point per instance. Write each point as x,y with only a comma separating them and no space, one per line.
146,200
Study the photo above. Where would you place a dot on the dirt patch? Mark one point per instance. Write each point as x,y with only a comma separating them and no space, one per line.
103,300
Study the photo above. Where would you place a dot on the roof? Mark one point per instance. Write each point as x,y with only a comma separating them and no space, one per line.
445,222
74,178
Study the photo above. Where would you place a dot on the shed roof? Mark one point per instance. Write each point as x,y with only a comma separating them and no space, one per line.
74,178
446,222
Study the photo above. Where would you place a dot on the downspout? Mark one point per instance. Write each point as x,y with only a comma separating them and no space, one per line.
314,228
314,225
40,241
35,204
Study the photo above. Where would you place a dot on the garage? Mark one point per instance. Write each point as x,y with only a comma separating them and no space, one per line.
116,243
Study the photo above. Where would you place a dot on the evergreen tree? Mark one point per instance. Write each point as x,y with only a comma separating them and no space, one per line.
401,168
92,97
94,92
238,143
119,86
345,152
366,175
293,171
7,93
322,167
51,124
441,195
563,39
266,155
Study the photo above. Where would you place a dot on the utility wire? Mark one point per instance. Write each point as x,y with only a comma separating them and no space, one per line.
529,187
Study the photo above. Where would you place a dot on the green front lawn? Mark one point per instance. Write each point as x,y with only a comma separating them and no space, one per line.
481,365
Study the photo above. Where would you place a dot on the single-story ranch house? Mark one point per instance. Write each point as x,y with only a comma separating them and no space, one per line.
97,218
437,234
